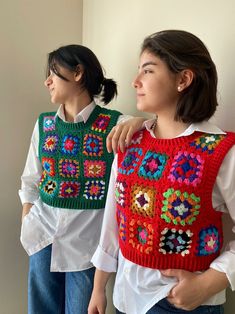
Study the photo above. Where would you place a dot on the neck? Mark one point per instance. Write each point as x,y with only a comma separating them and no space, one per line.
73,107
167,129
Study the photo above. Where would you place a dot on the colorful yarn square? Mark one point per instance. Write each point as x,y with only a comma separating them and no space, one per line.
207,142
94,169
143,200
68,168
122,225
180,207
152,165
93,145
50,187
70,145
49,123
94,190
187,168
175,241
69,189
209,241
130,161
48,165
141,235
120,193
101,123
50,143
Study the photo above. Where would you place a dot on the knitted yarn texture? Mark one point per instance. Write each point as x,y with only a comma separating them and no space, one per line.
164,200
76,164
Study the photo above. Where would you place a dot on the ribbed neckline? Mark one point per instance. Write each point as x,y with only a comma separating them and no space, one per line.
79,125
170,141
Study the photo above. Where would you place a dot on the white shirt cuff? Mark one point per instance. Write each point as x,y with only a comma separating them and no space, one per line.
103,261
225,263
28,197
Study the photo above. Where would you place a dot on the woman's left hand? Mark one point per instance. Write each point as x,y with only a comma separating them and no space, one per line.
192,289
120,136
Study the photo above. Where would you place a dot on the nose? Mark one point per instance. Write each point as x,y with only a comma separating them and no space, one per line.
136,82
48,81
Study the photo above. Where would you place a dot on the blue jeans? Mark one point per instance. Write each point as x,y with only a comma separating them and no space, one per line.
164,307
55,292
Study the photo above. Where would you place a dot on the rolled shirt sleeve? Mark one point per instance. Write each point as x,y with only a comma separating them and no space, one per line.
32,171
106,255
226,185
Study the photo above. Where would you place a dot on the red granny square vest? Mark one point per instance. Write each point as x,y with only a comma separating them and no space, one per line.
164,200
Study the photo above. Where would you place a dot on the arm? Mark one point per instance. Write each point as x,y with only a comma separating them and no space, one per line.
98,300
31,175
106,255
25,210
121,134
194,289
225,184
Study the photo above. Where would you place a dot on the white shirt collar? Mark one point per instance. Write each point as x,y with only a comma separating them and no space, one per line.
82,116
204,126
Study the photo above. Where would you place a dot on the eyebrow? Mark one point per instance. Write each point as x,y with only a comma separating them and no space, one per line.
148,63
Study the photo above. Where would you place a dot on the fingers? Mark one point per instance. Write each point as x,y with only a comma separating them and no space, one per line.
119,137
129,136
125,138
178,273
171,300
112,140
96,308
97,304
93,311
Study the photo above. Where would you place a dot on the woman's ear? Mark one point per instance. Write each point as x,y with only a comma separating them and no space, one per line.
78,73
185,79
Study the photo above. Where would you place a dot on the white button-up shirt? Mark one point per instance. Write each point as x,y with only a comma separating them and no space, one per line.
138,288
74,234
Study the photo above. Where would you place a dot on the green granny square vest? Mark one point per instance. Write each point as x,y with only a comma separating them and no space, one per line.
76,164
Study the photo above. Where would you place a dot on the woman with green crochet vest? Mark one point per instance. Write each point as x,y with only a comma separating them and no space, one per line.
162,229
65,181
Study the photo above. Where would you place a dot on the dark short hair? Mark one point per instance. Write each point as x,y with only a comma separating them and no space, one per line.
182,50
93,79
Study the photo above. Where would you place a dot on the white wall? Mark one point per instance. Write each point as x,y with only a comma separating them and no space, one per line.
28,31
115,30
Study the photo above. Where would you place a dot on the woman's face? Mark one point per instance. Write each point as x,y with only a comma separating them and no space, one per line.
62,91
156,86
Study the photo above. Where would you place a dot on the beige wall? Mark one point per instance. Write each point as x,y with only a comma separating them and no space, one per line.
115,29
28,31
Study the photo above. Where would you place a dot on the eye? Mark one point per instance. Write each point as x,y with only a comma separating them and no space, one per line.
146,71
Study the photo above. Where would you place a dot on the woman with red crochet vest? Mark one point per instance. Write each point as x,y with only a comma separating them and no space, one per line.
162,229
65,181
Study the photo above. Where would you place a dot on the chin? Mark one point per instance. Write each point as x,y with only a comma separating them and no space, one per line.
141,107
146,108
54,101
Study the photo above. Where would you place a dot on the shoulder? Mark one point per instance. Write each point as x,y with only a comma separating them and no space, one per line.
46,121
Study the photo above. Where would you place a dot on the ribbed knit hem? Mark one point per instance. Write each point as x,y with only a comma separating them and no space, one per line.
74,204
190,263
